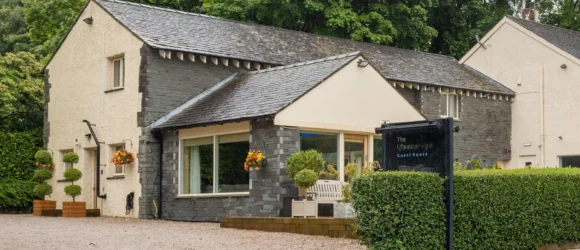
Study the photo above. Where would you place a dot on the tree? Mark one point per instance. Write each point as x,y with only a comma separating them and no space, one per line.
399,24
21,92
48,21
12,26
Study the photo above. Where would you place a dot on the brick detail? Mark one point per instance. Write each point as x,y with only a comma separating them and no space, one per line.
271,184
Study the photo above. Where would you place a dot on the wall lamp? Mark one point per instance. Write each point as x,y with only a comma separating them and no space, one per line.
563,66
362,63
88,20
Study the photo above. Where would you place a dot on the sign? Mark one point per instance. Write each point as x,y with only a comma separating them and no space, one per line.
422,146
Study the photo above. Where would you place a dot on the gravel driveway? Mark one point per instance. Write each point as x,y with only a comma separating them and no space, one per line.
34,232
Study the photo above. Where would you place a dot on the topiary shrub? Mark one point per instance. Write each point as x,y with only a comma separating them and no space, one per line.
43,159
399,210
309,159
42,189
72,175
304,179
41,175
70,157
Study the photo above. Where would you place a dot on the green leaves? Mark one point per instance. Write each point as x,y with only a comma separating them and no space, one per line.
17,154
42,190
73,190
306,178
309,159
72,174
70,157
42,175
15,194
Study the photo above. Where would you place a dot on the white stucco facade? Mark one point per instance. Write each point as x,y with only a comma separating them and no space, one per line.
546,109
80,75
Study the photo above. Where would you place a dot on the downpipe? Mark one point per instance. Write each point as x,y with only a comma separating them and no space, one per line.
98,171
159,212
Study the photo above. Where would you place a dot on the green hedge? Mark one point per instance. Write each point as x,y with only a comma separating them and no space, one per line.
516,209
16,195
397,210
494,209
17,151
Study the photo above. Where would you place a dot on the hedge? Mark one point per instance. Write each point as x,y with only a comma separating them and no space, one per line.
516,209
17,151
494,209
16,195
399,209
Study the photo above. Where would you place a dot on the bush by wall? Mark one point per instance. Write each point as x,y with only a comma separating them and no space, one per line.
17,151
516,209
494,209
399,210
16,195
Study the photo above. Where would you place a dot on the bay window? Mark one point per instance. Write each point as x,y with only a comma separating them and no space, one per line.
214,164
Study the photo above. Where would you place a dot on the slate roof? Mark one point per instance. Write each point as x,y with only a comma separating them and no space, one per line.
201,34
257,94
567,40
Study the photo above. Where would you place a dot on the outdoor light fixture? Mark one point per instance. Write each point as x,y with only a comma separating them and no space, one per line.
362,63
560,137
563,66
88,136
88,20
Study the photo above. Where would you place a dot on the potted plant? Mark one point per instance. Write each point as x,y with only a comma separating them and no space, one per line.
74,208
123,157
255,160
44,172
304,168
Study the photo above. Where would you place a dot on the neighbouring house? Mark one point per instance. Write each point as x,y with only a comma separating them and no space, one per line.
190,94
541,64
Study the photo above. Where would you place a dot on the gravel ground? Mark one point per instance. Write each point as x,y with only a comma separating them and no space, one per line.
34,232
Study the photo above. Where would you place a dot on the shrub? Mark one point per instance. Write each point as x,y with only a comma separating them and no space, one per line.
17,150
305,178
72,174
42,189
70,157
516,209
43,157
16,195
42,175
309,159
397,210
73,190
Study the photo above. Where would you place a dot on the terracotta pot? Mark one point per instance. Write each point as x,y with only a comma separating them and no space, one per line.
74,209
40,205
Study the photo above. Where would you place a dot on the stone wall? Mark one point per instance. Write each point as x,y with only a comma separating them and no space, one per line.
271,184
485,124
166,84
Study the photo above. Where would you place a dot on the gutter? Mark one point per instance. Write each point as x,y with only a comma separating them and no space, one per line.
98,156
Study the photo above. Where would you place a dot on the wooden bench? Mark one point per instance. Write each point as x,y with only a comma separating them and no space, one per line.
326,191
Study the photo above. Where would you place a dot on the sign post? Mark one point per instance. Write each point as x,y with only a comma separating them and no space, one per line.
422,146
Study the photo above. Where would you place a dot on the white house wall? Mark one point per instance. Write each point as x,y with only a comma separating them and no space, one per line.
520,60
78,76
355,99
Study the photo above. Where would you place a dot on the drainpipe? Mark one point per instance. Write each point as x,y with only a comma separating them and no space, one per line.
542,119
98,173
159,136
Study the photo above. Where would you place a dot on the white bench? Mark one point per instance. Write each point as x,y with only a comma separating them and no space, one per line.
326,191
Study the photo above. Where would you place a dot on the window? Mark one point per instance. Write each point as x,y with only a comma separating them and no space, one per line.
118,72
450,104
215,164
327,144
67,165
570,161
119,169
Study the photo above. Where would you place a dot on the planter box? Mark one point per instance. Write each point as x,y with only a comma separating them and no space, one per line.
40,205
343,210
74,209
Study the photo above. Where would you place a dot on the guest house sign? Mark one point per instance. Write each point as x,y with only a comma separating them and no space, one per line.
422,146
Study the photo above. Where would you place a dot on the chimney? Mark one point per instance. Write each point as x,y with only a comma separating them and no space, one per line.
531,14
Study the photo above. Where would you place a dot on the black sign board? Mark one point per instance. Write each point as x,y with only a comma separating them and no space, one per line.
422,146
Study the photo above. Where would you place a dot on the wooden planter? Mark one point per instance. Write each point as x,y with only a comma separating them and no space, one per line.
74,209
40,205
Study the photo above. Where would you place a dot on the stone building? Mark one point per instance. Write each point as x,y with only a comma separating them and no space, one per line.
184,90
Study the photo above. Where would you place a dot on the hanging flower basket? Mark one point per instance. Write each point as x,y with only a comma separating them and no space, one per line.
122,157
255,160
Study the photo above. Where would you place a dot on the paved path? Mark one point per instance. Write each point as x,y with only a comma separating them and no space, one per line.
34,232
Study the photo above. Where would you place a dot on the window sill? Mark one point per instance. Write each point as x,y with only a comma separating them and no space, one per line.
213,195
454,119
114,177
63,180
113,90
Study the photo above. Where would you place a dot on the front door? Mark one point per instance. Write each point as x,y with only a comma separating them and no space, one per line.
355,151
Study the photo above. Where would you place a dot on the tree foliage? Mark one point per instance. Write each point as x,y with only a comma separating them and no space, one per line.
13,32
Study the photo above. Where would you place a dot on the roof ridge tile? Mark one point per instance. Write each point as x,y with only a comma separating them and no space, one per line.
513,18
325,59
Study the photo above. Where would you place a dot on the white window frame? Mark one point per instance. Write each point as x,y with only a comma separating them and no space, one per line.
457,107
66,165
121,61
115,149
215,141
